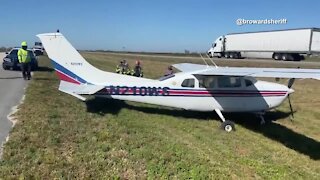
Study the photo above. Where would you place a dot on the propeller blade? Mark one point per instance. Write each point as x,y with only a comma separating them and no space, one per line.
290,83
291,109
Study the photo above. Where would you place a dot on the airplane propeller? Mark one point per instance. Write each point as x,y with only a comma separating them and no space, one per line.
290,83
291,109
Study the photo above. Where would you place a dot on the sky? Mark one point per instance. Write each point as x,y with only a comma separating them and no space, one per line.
144,25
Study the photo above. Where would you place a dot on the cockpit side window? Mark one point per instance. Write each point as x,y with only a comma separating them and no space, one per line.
188,83
229,82
248,82
208,82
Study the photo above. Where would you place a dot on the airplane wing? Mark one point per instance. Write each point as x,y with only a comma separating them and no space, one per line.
253,72
188,67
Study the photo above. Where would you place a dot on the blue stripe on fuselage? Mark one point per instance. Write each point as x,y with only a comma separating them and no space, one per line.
68,72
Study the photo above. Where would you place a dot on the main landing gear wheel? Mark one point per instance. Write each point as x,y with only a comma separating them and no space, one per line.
228,126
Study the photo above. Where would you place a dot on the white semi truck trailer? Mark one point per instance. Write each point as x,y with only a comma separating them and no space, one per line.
290,44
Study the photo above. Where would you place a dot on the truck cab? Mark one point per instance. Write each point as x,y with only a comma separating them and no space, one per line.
38,48
217,48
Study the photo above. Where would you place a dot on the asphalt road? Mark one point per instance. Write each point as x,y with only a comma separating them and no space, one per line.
12,88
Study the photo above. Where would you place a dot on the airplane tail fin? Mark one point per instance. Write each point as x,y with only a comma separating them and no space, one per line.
72,69
76,74
67,61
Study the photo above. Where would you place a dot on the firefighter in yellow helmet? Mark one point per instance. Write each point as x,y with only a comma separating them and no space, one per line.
25,59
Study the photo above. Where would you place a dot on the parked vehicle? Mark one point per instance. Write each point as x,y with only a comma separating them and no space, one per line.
290,44
38,48
10,61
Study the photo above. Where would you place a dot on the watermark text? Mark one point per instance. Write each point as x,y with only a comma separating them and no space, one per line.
242,21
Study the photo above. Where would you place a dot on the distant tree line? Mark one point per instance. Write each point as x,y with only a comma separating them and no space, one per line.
4,49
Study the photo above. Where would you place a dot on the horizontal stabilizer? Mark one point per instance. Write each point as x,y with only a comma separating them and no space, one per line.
77,90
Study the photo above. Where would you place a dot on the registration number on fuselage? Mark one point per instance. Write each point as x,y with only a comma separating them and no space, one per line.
140,91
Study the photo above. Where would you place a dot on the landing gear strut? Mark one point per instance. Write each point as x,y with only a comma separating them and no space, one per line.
226,124
260,115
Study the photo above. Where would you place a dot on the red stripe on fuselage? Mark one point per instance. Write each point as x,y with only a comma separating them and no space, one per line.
199,93
66,78
244,93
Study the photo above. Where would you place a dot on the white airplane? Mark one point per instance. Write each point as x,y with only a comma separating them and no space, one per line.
197,87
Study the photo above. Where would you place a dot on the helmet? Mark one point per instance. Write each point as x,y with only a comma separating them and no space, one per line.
24,43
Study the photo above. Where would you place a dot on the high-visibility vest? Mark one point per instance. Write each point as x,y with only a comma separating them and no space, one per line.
24,56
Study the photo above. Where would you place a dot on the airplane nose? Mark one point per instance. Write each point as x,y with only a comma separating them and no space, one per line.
290,91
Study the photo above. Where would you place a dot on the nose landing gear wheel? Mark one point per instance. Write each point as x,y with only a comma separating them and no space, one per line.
228,126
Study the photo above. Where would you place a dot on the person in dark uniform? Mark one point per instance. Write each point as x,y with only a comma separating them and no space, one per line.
138,69
169,71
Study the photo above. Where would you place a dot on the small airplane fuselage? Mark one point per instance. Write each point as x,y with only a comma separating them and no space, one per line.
203,93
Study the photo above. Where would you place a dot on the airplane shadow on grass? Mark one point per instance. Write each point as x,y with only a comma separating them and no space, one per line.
289,138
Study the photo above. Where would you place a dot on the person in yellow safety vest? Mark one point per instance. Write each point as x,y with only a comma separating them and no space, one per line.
123,68
126,69
119,68
24,59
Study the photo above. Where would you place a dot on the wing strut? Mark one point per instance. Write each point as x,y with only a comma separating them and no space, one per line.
204,60
209,60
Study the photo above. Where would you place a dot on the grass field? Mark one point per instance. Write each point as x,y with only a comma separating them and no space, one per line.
313,59
58,136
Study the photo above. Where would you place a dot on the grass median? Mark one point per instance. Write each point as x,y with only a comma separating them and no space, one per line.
58,136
